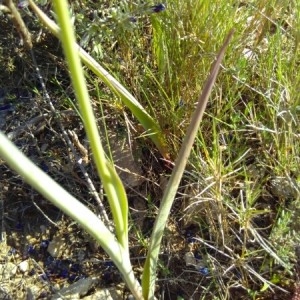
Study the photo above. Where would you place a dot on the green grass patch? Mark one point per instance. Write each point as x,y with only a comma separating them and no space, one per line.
240,195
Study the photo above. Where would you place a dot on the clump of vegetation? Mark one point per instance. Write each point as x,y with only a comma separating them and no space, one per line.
236,211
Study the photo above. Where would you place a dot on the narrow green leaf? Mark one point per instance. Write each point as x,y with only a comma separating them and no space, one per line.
52,191
149,273
107,174
150,125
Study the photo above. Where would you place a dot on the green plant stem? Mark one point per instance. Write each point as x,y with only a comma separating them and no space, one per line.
112,185
149,274
52,191
152,128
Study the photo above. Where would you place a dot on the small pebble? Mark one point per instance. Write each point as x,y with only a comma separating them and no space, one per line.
24,266
56,247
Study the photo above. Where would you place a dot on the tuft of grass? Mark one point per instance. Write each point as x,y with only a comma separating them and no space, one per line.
248,182
241,187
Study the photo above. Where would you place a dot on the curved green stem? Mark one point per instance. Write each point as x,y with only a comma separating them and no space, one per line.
150,125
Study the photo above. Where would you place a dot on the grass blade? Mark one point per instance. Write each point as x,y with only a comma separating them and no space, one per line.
52,191
113,187
149,274
149,124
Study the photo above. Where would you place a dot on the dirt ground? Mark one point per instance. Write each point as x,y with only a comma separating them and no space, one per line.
42,251
30,225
